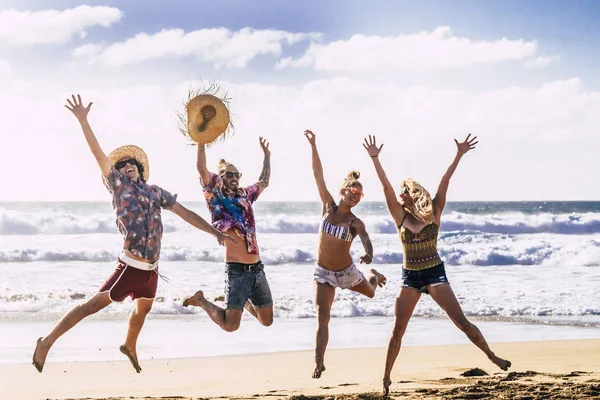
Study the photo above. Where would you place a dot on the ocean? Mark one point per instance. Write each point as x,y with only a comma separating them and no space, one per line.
521,271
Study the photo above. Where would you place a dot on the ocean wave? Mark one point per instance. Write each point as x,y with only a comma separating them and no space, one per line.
59,223
62,222
346,305
477,250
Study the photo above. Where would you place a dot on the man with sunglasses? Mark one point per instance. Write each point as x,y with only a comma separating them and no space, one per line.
231,211
138,208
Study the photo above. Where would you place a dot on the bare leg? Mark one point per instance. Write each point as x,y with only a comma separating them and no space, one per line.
250,308
444,296
229,320
136,321
68,321
264,315
323,300
405,304
368,286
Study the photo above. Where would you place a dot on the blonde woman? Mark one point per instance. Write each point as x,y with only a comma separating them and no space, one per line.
423,270
335,268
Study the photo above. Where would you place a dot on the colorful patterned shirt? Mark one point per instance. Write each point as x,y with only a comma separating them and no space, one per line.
232,210
138,206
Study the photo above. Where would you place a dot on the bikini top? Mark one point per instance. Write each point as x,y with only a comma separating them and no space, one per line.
340,232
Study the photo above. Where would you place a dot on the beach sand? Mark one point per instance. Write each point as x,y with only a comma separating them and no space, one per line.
565,369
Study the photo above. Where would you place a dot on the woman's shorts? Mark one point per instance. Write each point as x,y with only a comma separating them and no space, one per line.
421,279
344,279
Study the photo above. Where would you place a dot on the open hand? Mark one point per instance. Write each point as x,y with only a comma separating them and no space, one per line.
264,145
77,108
371,146
366,259
311,137
467,145
221,238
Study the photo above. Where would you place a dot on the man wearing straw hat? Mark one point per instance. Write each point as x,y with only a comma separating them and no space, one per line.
230,206
138,208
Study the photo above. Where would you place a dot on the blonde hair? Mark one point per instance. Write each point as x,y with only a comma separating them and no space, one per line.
224,164
351,180
421,198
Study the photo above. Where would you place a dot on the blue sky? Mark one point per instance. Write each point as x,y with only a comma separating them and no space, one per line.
523,74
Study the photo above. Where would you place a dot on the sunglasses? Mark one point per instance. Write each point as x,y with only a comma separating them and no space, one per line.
403,190
230,174
355,190
123,163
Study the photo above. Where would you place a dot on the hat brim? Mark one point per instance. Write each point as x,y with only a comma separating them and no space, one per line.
131,151
199,129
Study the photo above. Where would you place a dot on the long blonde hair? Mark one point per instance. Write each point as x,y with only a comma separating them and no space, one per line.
421,198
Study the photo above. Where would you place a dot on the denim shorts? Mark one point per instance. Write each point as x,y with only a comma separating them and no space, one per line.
245,282
421,279
344,279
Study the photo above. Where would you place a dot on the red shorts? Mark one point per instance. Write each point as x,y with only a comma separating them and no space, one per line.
130,281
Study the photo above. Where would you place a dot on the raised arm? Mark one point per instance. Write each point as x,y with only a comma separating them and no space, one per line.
265,175
75,105
326,197
439,202
197,221
361,230
394,206
201,164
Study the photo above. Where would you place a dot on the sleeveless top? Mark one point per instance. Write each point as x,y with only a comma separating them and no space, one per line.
420,249
340,232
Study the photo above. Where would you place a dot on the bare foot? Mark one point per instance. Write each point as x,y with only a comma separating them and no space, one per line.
195,300
381,279
132,358
220,298
387,382
319,368
504,365
39,355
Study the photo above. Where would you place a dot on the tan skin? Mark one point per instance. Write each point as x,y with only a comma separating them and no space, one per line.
442,294
334,253
229,319
102,300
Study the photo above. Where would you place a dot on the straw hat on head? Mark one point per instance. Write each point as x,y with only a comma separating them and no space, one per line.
206,118
131,151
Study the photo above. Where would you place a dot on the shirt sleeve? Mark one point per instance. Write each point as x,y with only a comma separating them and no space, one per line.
113,180
167,200
213,182
252,192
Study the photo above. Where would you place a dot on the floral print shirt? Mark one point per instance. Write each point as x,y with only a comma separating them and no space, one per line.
138,207
232,210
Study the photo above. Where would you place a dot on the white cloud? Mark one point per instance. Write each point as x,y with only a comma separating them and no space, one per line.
219,46
533,140
23,28
540,62
436,49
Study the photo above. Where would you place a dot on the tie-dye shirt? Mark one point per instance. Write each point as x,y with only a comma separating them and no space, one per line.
232,210
138,206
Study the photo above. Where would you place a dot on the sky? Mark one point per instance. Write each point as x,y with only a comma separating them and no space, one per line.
521,75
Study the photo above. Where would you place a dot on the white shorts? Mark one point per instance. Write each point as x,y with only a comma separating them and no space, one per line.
345,279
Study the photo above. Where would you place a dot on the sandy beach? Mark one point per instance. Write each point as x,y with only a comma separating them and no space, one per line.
565,369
